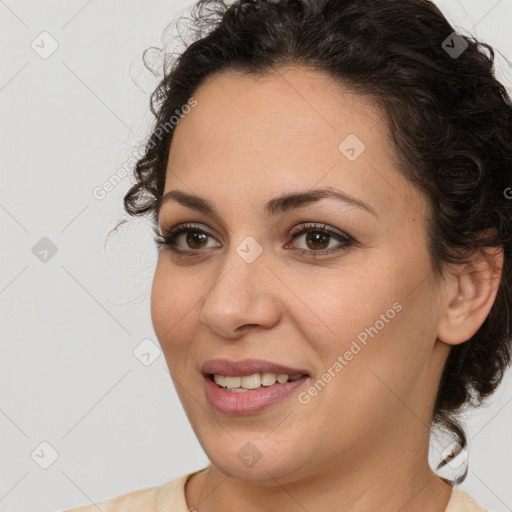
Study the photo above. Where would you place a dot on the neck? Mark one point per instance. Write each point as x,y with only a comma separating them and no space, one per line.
384,480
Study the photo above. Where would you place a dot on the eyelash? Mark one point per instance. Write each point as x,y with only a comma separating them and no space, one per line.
169,239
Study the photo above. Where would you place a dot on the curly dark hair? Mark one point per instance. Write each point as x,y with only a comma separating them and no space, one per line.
449,118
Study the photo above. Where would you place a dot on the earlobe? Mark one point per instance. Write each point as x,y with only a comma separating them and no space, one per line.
470,296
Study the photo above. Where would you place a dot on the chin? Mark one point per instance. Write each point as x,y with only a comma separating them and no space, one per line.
241,459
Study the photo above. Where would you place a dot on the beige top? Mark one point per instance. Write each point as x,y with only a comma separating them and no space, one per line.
170,497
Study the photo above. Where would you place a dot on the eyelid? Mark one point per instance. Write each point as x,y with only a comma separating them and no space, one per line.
186,227
169,236
320,226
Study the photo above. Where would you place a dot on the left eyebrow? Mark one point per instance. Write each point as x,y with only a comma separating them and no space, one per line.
273,207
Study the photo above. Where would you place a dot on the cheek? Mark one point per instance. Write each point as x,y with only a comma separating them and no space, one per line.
372,316
172,307
342,303
161,302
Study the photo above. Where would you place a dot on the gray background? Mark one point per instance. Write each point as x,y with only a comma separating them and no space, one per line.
71,323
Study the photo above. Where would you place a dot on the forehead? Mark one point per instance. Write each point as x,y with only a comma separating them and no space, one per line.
283,131
292,106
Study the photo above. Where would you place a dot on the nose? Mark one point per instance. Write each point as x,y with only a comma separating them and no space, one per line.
242,296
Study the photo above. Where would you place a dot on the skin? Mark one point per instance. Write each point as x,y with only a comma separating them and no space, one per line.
362,442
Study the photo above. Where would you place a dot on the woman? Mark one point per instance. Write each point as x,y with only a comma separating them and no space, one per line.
334,275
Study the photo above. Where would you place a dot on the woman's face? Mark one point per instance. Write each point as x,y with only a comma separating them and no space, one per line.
360,320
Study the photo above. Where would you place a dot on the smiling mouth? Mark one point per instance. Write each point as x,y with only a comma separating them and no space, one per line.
254,382
235,395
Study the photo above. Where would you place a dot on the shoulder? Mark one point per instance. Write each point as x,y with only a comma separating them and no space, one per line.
169,496
461,501
143,499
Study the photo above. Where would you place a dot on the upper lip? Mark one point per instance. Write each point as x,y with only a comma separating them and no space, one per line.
247,367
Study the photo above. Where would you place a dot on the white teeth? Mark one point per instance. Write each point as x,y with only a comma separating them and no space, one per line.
255,381
220,380
268,379
251,381
232,382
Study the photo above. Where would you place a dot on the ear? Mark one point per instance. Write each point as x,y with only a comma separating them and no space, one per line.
470,293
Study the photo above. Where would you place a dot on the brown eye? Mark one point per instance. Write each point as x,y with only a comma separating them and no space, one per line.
318,237
317,240
195,239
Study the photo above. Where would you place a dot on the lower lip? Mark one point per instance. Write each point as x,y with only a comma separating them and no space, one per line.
248,402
